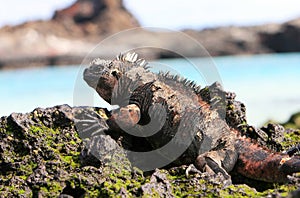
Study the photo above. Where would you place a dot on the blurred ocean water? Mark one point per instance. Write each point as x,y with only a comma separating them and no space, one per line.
267,84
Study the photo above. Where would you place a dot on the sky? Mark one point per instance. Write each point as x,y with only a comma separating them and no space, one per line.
173,14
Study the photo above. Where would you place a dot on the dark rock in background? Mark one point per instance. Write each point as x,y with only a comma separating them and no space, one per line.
286,39
97,17
76,30
65,39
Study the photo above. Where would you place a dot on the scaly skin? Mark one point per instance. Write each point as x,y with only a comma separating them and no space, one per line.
175,107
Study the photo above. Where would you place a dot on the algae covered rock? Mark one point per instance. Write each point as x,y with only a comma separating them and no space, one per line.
41,156
293,122
45,154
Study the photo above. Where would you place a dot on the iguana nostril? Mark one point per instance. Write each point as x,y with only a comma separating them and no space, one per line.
116,74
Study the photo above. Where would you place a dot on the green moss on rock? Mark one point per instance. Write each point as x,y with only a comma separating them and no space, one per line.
41,156
293,122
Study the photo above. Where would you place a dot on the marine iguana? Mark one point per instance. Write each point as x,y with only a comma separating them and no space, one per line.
172,105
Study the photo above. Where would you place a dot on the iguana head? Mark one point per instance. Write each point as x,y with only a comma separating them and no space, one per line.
103,75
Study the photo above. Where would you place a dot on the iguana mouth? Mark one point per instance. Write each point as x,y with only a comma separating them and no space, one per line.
92,76
95,72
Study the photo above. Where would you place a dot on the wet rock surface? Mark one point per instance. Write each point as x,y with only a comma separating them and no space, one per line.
52,153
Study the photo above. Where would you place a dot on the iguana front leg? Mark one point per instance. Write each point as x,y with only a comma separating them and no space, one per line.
125,118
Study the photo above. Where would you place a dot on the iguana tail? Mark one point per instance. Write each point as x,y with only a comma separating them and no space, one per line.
261,164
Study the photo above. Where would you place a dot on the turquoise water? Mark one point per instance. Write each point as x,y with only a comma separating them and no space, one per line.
267,84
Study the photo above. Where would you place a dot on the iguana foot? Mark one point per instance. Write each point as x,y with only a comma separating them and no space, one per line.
212,163
191,169
216,162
